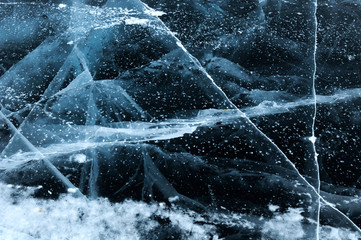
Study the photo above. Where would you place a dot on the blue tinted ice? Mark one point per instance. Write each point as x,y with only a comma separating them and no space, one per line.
242,114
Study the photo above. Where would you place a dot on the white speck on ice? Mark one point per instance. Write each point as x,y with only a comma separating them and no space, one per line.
312,139
351,57
181,46
273,208
155,13
80,158
133,20
72,190
173,199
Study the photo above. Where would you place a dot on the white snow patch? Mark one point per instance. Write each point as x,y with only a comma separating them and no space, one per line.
26,218
285,226
332,233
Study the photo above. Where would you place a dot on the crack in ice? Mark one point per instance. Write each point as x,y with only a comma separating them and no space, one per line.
313,137
46,162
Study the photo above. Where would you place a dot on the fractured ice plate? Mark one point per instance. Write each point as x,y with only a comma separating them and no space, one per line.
207,107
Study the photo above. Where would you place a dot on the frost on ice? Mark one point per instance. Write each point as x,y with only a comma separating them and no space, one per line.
195,119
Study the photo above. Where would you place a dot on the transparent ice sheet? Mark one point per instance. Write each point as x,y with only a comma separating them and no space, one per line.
107,101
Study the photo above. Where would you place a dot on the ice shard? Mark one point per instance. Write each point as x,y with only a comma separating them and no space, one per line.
241,115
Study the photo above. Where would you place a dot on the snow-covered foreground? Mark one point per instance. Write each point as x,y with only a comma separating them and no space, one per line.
23,217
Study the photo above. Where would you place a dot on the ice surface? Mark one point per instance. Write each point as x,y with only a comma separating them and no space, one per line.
193,119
